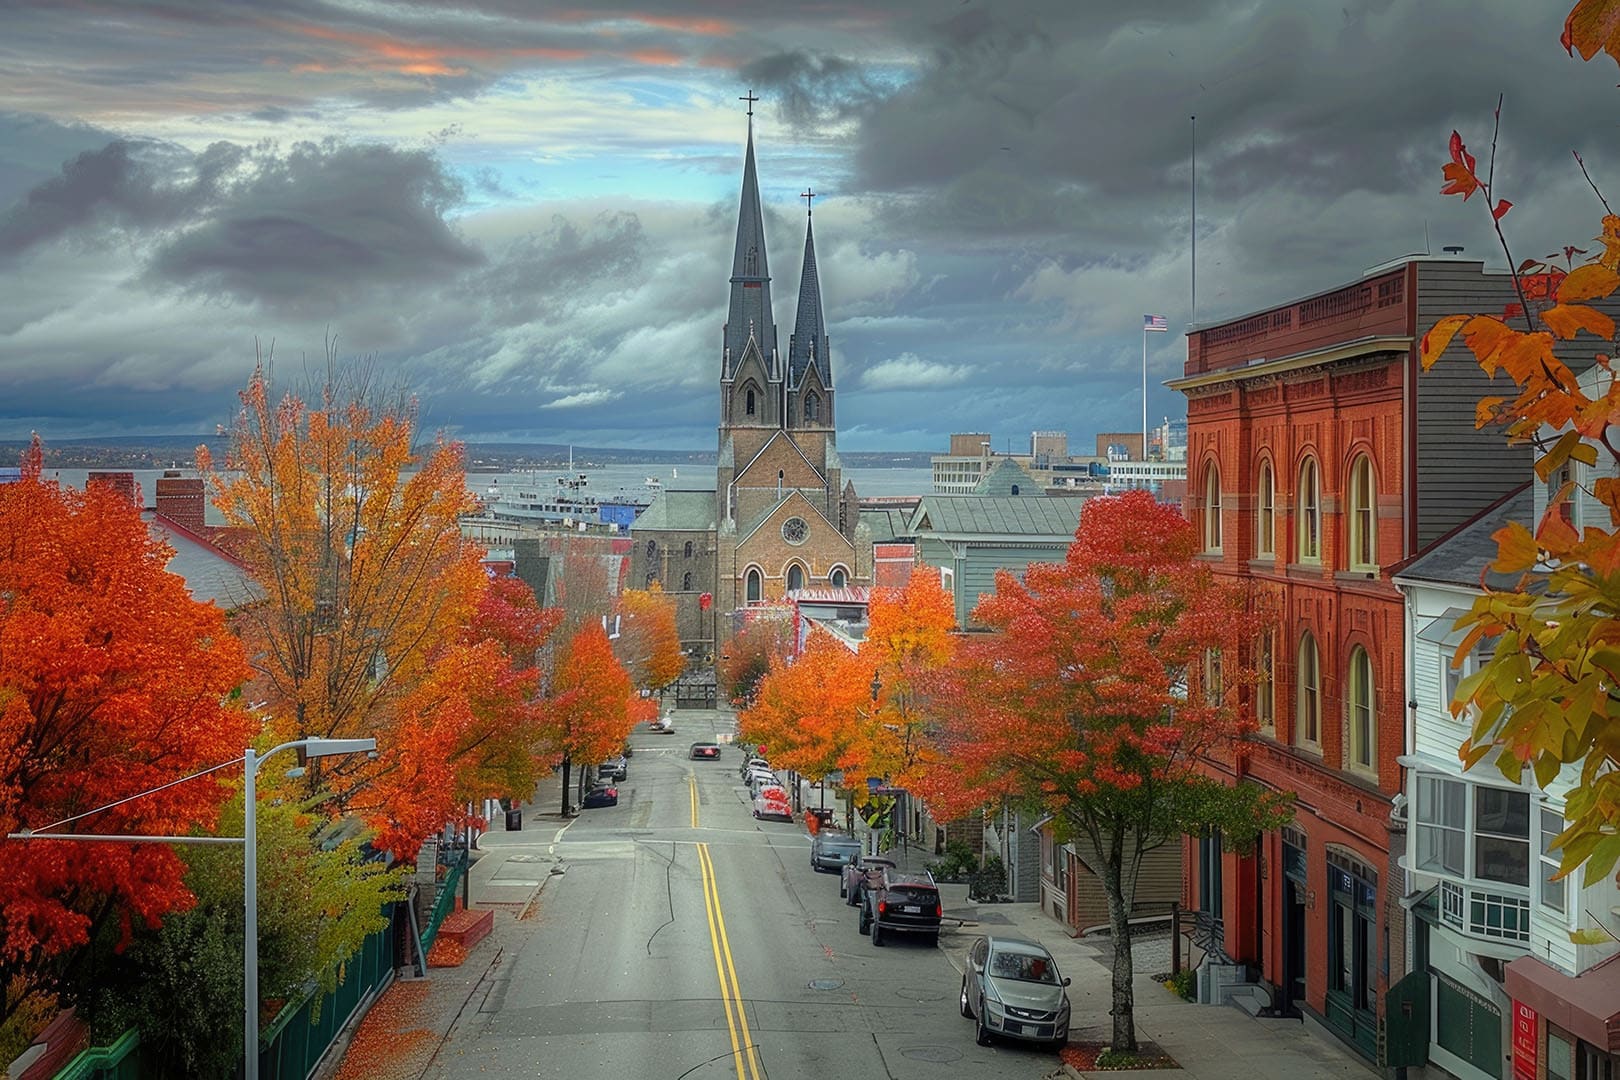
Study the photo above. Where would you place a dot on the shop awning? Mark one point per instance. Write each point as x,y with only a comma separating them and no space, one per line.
1586,1005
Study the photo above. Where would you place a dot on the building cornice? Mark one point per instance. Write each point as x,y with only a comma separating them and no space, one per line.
1378,343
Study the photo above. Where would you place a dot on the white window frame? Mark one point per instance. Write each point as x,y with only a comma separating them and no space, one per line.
1308,512
1312,689
1266,517
1464,895
1363,749
1212,507
1547,865
1362,519
1265,685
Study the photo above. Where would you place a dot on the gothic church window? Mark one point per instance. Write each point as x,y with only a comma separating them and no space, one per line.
839,578
795,577
750,401
686,581
753,592
812,408
652,550
688,549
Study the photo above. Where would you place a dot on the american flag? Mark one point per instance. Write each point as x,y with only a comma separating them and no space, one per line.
1154,323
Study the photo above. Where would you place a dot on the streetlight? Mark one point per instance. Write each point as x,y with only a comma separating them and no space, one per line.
251,761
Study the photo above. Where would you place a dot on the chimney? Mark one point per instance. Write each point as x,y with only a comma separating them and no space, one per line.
122,483
180,500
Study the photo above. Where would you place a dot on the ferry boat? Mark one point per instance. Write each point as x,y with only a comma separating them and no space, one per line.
569,504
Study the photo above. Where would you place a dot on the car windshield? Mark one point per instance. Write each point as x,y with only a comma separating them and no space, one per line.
1023,967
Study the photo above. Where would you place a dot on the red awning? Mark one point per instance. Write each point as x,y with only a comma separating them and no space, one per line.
1585,1005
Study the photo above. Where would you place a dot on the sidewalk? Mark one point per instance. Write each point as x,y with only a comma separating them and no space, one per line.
1209,1042
405,1030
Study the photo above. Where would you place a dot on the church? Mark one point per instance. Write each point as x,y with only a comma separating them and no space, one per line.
781,516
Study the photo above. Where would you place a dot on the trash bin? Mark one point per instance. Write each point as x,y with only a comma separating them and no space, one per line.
514,820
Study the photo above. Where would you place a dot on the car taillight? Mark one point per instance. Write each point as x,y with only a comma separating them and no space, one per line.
939,909
883,906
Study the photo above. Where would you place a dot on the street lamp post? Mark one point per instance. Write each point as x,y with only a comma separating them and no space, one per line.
251,761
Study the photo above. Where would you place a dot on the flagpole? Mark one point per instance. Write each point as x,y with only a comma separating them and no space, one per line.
1194,229
1144,391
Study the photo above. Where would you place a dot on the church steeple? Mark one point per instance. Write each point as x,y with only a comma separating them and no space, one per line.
809,341
749,313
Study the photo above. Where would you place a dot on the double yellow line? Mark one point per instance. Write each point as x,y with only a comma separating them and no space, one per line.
691,786
743,1052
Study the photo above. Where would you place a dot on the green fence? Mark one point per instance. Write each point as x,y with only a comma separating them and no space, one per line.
445,904
117,1061
300,1034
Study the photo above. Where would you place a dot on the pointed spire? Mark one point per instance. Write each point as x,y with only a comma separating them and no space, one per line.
750,275
809,340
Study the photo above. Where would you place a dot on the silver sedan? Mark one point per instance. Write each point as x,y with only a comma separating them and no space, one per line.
1012,988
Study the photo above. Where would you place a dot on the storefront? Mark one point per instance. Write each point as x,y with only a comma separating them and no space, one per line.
1565,1027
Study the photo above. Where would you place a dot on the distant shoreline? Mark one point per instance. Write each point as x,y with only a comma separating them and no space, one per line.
178,451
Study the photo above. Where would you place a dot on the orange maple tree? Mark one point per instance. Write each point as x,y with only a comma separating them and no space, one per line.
368,587
1075,705
649,639
766,635
1546,697
592,705
814,714
910,641
113,682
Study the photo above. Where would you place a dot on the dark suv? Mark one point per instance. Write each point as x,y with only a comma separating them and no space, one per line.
902,903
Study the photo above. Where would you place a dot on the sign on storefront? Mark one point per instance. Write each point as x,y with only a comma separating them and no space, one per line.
1525,1043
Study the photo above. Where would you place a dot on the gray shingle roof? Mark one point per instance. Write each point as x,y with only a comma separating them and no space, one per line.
678,510
1463,556
1003,476
998,516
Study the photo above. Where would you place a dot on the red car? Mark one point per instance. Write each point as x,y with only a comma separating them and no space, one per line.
772,802
702,750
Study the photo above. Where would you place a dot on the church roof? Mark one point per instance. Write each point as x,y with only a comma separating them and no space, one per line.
996,517
886,523
678,510
809,326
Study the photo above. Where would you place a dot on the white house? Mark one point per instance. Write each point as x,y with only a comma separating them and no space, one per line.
1509,994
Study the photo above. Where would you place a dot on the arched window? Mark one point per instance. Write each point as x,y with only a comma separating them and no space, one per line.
753,592
1308,694
1214,682
1363,719
795,577
688,552
1308,512
1212,507
839,578
652,550
686,581
1266,519
1015,489
812,408
1265,689
1363,515
749,401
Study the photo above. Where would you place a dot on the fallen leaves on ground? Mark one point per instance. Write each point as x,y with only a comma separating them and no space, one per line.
1097,1057
446,952
392,1043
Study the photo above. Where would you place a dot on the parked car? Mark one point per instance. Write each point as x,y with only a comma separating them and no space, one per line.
749,763
701,750
772,802
664,725
1012,988
597,797
902,903
614,768
853,878
832,850
762,779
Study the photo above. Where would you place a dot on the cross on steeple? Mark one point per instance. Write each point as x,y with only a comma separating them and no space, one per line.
808,195
750,98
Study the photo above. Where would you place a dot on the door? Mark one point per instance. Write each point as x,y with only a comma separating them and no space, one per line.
1293,918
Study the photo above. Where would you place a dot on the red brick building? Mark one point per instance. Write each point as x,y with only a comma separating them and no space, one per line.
1318,457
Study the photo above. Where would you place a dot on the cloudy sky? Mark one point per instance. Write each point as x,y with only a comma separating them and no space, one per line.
526,211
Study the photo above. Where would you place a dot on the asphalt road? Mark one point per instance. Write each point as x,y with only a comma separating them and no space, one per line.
687,940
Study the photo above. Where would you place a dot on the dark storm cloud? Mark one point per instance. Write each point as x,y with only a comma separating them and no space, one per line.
310,229
543,272
810,91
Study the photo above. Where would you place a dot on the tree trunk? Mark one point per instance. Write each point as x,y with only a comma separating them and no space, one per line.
566,769
1119,883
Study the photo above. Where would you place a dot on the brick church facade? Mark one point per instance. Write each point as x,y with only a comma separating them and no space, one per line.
781,517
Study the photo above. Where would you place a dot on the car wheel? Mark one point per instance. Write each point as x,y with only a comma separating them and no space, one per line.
981,1034
865,923
967,1010
877,935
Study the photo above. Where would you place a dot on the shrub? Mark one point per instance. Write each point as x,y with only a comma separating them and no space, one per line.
958,863
990,882
1183,984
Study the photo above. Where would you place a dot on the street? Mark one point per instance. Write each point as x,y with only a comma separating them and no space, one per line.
685,939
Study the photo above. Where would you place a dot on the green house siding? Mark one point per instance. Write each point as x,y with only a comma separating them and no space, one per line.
975,570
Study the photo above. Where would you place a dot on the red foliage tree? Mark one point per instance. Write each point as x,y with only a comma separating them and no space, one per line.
113,681
590,711
1076,705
